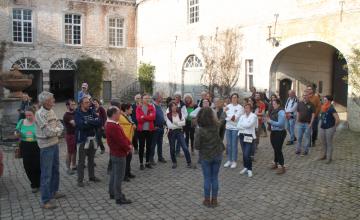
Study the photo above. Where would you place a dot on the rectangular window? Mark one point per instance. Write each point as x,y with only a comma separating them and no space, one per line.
249,77
22,26
72,29
116,32
193,11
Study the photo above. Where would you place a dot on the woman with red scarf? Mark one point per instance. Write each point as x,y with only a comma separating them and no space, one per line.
329,121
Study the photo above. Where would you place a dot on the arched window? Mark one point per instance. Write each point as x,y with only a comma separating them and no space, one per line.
63,64
27,63
192,62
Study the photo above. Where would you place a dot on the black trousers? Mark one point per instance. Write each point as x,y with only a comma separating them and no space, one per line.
189,134
128,165
99,136
145,139
277,139
30,152
135,140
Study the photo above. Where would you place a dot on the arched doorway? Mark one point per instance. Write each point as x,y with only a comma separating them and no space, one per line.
191,76
311,62
30,66
62,79
285,86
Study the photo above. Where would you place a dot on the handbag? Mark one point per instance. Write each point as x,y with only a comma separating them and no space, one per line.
248,139
18,154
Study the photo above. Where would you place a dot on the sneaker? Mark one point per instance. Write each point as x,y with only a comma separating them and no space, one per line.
112,197
74,168
243,171
227,164
328,161
249,173
142,167
70,172
148,165
189,165
290,143
94,179
131,176
126,179
80,184
304,154
34,190
233,165
295,139
297,152
152,163
162,160
59,195
123,201
174,166
48,205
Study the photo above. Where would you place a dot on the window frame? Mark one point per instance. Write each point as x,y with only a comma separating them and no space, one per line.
22,26
189,13
72,28
115,28
249,73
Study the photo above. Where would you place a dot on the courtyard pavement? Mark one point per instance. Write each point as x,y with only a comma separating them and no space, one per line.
309,190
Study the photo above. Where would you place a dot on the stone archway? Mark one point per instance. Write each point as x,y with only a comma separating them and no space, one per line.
191,76
31,66
312,62
62,79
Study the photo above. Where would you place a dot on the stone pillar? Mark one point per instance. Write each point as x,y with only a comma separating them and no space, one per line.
46,80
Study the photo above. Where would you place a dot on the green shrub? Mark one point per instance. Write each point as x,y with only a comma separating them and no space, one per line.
146,77
90,71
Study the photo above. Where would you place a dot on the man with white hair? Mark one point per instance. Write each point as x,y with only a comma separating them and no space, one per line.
48,130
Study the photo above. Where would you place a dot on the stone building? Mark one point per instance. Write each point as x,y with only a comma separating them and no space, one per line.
285,44
46,38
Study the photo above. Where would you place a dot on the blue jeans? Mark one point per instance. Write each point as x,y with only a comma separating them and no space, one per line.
232,145
210,170
178,136
49,165
246,149
303,131
157,140
290,127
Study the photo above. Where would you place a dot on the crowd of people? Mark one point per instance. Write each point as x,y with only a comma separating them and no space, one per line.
139,128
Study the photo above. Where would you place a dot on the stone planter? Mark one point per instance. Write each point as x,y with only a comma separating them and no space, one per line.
16,82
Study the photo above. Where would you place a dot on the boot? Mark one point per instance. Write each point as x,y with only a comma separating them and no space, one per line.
207,202
281,170
274,166
214,202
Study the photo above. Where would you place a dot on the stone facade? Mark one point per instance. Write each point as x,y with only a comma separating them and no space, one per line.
166,38
49,45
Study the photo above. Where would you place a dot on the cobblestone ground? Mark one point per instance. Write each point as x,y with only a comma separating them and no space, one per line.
309,190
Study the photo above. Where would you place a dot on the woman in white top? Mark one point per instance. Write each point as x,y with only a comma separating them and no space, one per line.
233,112
246,125
175,123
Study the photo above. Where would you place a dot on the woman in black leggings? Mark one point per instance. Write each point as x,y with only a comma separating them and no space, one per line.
276,120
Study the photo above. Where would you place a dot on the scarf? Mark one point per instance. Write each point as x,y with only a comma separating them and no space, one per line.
325,107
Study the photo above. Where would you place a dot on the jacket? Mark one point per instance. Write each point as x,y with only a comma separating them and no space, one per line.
86,124
127,126
208,142
48,127
118,144
149,117
174,125
247,124
232,110
159,118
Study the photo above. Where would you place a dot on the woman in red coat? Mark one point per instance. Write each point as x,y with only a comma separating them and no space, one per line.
145,115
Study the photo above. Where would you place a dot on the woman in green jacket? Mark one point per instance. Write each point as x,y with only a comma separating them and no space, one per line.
211,147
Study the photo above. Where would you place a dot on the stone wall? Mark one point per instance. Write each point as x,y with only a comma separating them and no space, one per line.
48,42
165,38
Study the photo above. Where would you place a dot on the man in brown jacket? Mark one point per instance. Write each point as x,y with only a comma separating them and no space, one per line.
315,100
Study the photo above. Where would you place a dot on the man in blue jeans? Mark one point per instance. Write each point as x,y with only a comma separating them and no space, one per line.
48,129
158,135
305,117
290,110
